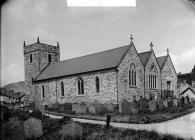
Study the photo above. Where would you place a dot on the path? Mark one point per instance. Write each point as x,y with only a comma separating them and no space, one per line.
183,126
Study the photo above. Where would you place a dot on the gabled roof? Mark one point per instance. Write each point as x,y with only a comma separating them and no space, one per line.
189,88
161,61
144,56
98,61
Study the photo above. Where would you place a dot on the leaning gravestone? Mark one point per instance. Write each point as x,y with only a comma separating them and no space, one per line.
72,130
175,102
152,105
12,131
33,128
143,103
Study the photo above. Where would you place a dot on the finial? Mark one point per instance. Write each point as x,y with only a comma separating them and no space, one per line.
24,44
167,51
151,46
131,38
58,44
38,40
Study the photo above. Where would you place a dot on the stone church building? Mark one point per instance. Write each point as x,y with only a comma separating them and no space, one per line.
111,76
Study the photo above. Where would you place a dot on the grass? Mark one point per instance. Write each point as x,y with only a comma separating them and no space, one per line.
99,132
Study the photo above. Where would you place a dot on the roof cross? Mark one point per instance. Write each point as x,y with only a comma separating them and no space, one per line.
131,39
151,45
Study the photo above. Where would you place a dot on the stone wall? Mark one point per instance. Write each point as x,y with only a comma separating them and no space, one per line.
124,89
152,61
108,89
169,74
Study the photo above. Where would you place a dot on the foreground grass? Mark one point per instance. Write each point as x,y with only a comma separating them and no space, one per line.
99,132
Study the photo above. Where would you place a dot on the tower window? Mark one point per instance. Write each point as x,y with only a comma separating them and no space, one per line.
30,58
97,83
132,75
62,89
43,91
80,86
49,58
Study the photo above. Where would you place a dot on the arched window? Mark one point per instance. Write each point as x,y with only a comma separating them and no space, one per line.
152,77
62,89
43,91
30,58
97,83
132,75
49,58
80,86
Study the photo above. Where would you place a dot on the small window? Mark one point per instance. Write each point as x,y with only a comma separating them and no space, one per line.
80,86
30,58
49,58
62,89
97,83
43,91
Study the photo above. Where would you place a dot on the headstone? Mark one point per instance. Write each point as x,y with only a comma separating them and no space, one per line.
185,100
12,131
109,106
152,105
175,102
165,103
33,128
125,107
170,103
72,130
92,110
79,108
101,109
160,104
143,104
134,111
68,108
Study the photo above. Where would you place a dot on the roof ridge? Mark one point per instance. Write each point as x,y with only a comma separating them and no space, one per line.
144,52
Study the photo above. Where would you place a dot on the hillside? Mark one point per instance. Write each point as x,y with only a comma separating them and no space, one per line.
16,87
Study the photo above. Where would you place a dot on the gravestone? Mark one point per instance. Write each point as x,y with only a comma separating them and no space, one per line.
152,105
175,102
79,108
72,130
92,110
170,103
33,128
68,108
160,104
61,107
12,131
134,111
185,100
165,103
109,106
143,103
12,119
125,107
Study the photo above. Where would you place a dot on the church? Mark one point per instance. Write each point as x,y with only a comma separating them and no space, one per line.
111,76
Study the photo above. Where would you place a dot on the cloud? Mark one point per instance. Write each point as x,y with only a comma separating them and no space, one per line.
12,73
187,21
185,61
40,8
42,33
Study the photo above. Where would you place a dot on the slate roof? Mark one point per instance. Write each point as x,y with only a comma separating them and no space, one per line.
161,61
189,88
144,57
93,62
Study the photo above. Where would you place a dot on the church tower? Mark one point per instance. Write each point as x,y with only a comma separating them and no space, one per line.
37,57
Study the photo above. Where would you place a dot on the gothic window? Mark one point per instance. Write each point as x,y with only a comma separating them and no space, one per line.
152,77
30,58
168,85
43,91
62,89
80,86
97,83
132,75
49,58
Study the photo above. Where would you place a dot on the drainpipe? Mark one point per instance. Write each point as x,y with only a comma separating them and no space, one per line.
56,91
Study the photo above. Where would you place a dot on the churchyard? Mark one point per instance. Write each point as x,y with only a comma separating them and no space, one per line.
142,111
22,125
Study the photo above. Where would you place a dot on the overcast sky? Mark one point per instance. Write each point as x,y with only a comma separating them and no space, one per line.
80,31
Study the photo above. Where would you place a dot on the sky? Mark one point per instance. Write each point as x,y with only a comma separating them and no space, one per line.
85,30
